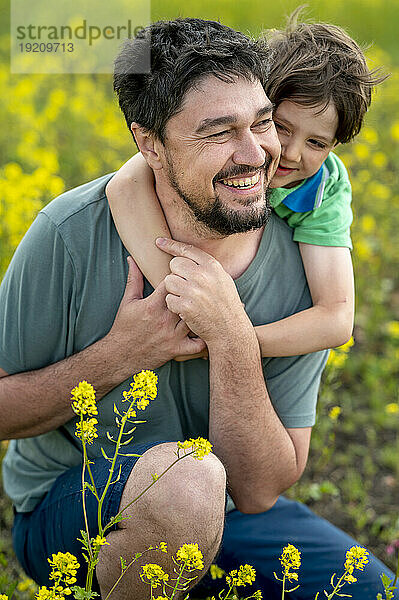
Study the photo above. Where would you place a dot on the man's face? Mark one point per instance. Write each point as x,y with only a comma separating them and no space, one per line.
220,153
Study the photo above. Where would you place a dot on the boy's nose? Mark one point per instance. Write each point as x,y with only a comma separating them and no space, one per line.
291,151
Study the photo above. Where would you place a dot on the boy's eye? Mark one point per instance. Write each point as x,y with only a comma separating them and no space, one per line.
279,127
318,144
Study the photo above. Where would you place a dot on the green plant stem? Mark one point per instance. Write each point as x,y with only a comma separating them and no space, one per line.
337,587
179,458
178,580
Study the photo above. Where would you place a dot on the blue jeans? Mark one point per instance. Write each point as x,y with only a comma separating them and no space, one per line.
256,539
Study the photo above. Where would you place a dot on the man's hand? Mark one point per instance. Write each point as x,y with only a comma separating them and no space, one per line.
149,325
201,293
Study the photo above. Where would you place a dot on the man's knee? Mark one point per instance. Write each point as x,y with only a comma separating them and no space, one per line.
191,488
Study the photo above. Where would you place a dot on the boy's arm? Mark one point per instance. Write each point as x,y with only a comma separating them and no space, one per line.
138,217
329,322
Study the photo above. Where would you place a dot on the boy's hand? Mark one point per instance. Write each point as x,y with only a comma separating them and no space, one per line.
202,293
204,355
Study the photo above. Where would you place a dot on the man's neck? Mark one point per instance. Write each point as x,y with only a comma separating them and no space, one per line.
234,252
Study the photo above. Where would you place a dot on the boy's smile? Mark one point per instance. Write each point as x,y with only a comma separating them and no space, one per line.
307,135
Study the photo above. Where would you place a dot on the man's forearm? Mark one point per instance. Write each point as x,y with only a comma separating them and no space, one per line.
245,430
34,402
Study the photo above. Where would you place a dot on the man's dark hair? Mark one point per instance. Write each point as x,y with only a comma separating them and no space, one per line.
183,52
314,64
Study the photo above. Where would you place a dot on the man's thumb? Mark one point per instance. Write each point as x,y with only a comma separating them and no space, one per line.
135,282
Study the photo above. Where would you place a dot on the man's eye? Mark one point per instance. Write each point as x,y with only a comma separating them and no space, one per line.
263,125
218,134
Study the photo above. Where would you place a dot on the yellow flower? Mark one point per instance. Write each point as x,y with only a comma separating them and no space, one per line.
163,546
334,413
370,135
64,565
290,559
362,151
380,160
392,408
86,430
393,329
367,223
44,593
216,572
395,131
83,399
191,556
346,347
153,574
142,390
356,558
245,575
200,447
99,541
3,597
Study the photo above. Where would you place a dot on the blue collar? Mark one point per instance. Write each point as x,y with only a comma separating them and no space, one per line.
310,195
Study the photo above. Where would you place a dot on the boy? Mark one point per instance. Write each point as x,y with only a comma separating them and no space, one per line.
321,87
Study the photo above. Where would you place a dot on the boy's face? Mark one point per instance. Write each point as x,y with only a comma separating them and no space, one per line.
306,136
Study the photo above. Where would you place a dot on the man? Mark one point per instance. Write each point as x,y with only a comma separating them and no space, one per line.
206,84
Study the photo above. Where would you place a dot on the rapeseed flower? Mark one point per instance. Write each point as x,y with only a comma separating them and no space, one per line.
64,565
83,398
216,572
191,556
334,413
142,390
154,575
290,559
244,576
86,430
200,447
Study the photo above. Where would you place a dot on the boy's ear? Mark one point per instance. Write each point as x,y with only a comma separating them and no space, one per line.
148,146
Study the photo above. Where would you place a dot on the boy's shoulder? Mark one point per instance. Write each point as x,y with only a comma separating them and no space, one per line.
336,168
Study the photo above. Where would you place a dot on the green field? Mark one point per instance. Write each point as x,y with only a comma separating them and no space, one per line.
58,131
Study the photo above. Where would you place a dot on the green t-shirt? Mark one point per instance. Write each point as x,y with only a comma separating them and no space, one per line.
329,224
61,293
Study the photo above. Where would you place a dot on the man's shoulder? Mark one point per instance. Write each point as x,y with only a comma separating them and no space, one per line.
77,200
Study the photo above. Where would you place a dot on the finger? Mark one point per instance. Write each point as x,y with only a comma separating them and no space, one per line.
135,283
182,249
185,267
175,284
192,346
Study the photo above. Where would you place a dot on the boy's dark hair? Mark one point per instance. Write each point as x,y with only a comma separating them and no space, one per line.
182,52
316,63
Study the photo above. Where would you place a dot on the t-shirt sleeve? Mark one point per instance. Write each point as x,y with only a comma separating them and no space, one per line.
293,384
328,225
37,301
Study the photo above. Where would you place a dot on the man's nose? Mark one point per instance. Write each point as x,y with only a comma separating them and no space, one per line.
249,151
291,151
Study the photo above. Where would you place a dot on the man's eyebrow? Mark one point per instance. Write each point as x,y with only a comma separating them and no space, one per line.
207,124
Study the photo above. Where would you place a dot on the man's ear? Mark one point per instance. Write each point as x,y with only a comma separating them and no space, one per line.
148,145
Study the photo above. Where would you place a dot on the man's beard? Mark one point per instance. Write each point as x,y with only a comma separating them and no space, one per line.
217,217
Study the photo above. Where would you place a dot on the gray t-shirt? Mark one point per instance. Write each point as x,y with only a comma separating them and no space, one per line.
61,294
